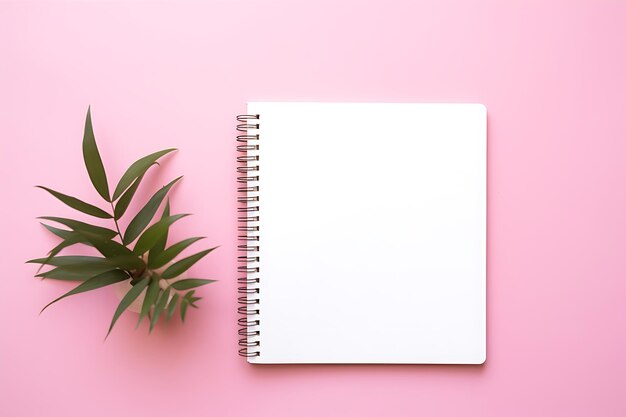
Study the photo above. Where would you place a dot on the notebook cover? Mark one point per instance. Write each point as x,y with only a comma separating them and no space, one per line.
372,225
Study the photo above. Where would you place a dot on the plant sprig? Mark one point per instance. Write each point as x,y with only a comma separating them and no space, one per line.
149,264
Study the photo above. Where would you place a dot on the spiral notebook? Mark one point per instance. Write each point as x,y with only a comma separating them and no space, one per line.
362,230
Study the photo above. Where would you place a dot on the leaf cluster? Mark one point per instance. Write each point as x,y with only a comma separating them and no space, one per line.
138,254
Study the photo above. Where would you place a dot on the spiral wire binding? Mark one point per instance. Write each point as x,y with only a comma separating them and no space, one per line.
248,227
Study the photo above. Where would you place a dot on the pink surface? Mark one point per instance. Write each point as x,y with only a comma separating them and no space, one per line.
161,74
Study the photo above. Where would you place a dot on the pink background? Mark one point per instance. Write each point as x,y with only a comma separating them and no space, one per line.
160,74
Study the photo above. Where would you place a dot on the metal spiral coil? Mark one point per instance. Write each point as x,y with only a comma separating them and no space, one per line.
248,219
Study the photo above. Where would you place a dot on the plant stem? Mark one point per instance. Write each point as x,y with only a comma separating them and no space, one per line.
117,226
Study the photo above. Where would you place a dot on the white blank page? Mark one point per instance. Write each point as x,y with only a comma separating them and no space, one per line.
372,232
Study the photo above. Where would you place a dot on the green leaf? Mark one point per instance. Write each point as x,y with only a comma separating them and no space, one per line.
171,307
136,170
159,246
72,239
91,263
112,249
184,264
141,220
99,281
184,304
86,263
124,201
153,233
192,300
171,252
83,227
64,276
75,274
151,296
187,284
77,204
126,261
159,307
128,299
95,268
63,234
93,162
66,260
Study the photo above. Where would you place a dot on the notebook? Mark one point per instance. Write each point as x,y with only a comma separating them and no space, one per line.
362,233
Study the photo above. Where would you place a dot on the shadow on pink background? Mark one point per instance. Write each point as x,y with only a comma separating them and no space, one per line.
162,74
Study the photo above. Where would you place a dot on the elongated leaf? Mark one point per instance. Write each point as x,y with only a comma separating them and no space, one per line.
65,276
128,299
89,263
63,234
75,274
99,281
184,304
159,246
141,220
136,170
117,255
95,268
153,233
109,248
83,227
187,284
93,162
193,300
128,262
67,260
171,307
77,204
72,239
171,252
184,264
159,307
127,197
151,297
112,249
